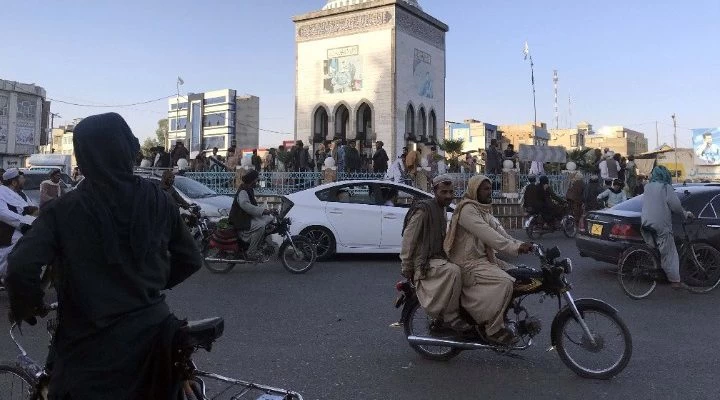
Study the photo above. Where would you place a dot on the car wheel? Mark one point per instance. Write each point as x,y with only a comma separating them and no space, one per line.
323,239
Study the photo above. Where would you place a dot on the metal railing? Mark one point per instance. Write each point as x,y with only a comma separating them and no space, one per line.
283,183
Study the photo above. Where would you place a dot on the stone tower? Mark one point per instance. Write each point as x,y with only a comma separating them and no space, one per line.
370,70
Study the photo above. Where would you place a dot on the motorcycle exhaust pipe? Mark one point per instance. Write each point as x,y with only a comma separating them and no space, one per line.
222,260
430,341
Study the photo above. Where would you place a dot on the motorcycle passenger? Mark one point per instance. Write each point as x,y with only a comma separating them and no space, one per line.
613,195
17,213
656,218
437,281
530,196
475,236
249,219
115,242
549,203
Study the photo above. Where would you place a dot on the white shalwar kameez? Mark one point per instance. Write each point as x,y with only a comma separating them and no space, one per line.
10,198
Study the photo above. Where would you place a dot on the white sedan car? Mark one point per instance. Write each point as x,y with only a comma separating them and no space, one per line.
353,216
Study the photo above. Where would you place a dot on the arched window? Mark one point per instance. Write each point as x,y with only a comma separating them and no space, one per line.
364,123
342,122
410,123
432,127
423,124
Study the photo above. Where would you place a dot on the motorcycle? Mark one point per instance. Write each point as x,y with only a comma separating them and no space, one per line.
222,249
535,226
198,224
576,325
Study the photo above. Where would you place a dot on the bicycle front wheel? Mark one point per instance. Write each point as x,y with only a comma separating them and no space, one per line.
637,269
700,268
15,383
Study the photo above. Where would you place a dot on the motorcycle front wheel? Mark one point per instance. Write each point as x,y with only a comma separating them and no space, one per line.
299,256
214,266
604,355
569,226
418,324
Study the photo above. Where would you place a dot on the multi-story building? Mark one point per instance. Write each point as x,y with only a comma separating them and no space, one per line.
23,121
476,135
218,118
525,134
61,141
369,70
571,138
619,140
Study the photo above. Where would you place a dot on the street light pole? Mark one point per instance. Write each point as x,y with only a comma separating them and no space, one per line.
675,147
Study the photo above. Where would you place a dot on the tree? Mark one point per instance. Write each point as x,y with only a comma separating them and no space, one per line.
581,159
162,132
453,148
147,147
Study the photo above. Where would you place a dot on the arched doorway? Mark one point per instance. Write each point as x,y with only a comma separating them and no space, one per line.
320,125
342,122
432,128
423,125
364,123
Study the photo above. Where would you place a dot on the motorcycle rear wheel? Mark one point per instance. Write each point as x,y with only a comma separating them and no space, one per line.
300,258
417,324
215,267
16,383
565,340
530,230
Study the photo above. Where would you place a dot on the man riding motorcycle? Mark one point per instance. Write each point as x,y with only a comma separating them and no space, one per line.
474,237
423,260
249,219
549,203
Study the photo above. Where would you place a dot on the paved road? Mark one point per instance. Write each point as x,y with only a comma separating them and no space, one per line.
327,334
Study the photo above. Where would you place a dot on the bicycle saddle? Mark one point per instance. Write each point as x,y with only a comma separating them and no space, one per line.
203,333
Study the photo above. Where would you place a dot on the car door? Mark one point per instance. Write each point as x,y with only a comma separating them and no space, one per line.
396,202
709,219
353,212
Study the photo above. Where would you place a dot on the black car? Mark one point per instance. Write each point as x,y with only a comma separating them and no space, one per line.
603,235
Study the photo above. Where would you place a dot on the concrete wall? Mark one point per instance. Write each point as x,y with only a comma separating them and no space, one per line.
247,122
19,131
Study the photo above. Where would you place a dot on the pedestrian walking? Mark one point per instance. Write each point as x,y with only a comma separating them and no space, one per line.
380,159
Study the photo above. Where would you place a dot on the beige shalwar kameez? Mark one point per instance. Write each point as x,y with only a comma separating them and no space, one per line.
437,281
475,235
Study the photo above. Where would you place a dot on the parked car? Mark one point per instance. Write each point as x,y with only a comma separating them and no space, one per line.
605,234
353,216
34,177
213,205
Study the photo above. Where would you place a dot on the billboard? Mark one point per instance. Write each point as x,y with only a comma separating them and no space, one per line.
705,145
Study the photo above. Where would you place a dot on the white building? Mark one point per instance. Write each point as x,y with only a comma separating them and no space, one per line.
370,70
218,118
23,121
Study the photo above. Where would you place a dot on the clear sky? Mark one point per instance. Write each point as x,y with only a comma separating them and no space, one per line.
621,62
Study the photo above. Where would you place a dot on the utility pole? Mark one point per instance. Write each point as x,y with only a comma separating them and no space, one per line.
555,85
532,81
675,147
657,137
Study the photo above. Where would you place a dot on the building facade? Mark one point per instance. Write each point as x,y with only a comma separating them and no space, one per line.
217,118
572,138
370,70
23,121
476,135
525,134
619,140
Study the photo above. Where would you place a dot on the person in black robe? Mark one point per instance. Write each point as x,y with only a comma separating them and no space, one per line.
115,243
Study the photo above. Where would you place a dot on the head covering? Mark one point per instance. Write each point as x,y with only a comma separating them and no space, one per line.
442,178
11,174
661,174
129,212
250,176
469,199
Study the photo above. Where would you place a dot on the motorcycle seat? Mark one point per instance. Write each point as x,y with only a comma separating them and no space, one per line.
202,333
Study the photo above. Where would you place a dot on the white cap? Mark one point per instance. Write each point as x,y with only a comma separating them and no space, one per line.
12,173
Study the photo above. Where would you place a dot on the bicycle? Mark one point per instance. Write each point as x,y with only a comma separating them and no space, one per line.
639,268
25,379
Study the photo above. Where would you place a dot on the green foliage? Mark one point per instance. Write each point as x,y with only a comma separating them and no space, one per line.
147,146
453,148
583,159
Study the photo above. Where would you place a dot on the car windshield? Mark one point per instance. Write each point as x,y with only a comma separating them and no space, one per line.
33,181
193,189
